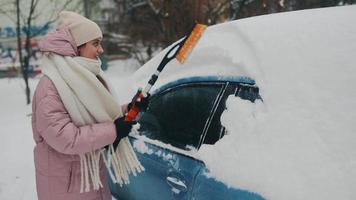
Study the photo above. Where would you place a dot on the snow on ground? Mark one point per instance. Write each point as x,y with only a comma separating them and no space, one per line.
17,180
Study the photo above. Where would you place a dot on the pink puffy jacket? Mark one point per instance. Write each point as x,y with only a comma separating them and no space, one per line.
58,143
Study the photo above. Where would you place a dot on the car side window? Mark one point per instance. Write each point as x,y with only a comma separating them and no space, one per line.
178,115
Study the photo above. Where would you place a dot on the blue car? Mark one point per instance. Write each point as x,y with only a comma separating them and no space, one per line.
183,115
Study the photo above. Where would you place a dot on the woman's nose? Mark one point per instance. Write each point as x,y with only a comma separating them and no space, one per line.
100,50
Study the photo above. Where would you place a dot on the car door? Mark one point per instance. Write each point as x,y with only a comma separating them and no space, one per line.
176,116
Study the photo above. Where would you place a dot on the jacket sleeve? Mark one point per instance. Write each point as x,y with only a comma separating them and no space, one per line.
54,124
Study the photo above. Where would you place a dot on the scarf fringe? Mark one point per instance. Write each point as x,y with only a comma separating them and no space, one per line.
119,164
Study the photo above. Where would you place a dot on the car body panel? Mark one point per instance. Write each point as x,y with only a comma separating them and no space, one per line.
167,175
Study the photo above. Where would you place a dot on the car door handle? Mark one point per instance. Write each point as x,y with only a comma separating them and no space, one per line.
176,184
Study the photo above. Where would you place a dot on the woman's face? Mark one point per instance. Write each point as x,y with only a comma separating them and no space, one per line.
91,49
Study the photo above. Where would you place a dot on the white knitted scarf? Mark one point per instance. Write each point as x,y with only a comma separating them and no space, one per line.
88,101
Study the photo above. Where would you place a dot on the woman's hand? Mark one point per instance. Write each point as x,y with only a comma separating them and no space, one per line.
123,127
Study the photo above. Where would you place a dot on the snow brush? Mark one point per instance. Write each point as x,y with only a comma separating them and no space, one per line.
180,51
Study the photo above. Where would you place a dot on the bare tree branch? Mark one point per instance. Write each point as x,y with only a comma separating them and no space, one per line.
7,9
6,13
155,10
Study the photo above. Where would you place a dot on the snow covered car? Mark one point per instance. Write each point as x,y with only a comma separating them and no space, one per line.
298,143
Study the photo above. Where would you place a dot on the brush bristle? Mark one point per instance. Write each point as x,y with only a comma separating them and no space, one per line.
190,42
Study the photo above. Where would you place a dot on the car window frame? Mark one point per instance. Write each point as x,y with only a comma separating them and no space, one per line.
211,116
184,152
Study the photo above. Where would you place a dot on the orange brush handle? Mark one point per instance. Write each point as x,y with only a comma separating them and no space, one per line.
133,112
190,42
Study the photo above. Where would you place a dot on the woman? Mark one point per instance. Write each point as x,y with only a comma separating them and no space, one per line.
75,115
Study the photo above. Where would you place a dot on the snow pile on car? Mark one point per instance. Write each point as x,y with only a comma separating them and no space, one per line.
300,143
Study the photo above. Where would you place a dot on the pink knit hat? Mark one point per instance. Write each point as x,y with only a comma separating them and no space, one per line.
83,30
